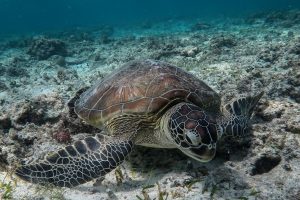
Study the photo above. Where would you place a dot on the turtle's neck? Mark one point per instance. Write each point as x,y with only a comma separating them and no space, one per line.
162,131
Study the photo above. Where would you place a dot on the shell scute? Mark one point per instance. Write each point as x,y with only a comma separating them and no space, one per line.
143,88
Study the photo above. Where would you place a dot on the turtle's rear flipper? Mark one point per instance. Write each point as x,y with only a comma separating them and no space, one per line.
76,164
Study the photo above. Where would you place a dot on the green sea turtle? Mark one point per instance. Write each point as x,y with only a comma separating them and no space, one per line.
146,103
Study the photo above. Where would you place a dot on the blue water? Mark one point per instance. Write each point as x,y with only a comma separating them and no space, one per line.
20,16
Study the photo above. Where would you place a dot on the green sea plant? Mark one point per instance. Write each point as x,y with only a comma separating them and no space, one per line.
162,194
6,190
254,192
119,175
7,186
213,191
191,182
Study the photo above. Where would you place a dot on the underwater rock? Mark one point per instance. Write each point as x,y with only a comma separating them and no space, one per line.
5,123
153,42
291,151
282,18
226,182
3,86
63,75
16,71
294,81
19,61
271,111
295,94
24,113
16,67
268,56
38,111
69,123
291,63
163,54
189,51
162,47
73,125
97,56
26,137
295,49
291,34
285,19
223,41
220,42
43,48
294,125
7,153
162,43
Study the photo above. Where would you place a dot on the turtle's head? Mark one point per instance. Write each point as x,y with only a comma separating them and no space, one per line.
193,130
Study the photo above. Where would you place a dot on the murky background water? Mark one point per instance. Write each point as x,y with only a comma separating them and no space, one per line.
18,16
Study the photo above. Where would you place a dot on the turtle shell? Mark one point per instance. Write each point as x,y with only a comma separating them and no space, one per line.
146,88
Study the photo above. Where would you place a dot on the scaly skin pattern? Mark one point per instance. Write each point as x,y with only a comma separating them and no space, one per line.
76,164
194,131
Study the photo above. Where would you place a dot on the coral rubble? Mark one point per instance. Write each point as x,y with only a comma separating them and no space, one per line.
43,48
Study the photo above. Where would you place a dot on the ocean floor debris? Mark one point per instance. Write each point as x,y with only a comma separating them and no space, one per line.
43,48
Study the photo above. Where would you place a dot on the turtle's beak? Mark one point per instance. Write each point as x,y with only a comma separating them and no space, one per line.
202,154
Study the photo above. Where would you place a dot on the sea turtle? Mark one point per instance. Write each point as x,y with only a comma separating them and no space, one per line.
148,103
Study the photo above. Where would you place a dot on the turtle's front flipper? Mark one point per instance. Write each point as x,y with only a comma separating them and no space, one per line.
243,106
236,120
76,164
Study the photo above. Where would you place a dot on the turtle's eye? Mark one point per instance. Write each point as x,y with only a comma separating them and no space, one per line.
192,137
